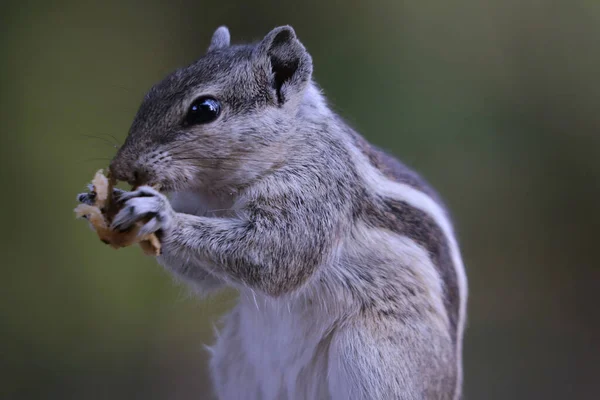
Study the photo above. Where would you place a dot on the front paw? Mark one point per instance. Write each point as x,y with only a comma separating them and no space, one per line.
147,205
89,197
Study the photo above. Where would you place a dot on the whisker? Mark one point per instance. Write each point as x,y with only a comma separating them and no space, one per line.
220,159
104,140
93,159
115,140
129,90
215,167
179,144
174,156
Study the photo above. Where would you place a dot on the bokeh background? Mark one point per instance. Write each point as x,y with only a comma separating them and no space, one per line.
496,102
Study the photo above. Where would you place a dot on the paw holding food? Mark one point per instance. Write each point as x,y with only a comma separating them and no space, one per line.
111,214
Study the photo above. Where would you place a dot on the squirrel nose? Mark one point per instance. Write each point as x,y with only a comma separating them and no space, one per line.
126,167
140,177
123,171
134,176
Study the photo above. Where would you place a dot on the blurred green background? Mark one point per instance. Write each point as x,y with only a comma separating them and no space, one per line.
496,102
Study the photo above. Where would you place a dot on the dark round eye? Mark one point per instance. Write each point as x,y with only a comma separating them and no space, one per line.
202,111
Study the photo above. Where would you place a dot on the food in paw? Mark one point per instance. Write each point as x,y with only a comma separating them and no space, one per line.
101,213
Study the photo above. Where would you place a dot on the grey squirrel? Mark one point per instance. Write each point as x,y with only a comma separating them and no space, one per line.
350,277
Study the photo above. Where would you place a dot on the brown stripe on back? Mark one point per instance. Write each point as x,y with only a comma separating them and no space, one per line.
392,168
406,220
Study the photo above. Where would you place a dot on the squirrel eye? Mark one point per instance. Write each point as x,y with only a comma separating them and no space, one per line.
202,111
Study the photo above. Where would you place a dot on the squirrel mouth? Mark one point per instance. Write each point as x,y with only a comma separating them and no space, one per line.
135,178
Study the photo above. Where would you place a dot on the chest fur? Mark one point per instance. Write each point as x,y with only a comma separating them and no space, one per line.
270,351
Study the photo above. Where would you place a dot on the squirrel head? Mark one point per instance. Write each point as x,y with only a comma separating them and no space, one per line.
220,121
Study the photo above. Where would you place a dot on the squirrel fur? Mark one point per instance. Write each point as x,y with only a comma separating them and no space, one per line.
350,276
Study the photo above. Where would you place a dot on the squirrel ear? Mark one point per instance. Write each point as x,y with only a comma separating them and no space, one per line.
220,39
290,63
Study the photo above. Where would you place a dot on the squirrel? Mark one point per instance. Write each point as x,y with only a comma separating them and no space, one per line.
350,278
